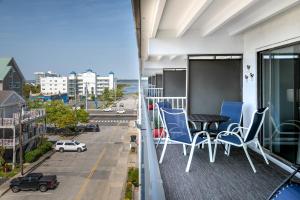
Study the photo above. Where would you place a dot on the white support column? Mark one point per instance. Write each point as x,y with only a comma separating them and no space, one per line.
14,148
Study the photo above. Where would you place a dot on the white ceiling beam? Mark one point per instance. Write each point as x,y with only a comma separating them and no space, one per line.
157,14
224,16
261,14
173,57
159,57
192,14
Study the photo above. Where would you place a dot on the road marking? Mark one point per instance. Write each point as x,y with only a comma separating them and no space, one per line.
88,178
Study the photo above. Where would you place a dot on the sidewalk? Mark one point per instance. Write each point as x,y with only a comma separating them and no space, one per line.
5,186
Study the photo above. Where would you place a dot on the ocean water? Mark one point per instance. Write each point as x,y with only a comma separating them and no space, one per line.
133,86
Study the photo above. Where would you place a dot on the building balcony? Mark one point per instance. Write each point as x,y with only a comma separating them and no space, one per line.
229,177
27,117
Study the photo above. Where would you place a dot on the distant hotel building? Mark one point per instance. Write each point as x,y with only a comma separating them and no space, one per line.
89,82
54,85
77,84
39,75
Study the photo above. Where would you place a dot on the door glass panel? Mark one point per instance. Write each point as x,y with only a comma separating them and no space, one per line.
280,92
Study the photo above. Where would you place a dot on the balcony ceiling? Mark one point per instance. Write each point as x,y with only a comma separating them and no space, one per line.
177,19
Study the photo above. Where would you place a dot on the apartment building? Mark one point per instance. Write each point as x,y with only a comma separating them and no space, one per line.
11,77
54,85
39,75
89,83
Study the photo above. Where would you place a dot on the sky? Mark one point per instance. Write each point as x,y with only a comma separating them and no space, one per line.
69,35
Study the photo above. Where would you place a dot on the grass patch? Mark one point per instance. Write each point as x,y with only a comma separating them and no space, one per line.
132,180
9,174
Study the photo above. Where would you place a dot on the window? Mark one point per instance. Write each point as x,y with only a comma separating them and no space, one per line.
69,143
59,143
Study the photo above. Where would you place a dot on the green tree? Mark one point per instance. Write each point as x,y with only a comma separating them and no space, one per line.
29,87
82,116
60,115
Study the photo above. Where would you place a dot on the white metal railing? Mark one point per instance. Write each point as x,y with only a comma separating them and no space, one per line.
151,181
153,92
26,116
156,124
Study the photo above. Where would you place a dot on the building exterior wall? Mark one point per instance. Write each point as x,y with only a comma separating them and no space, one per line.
279,30
54,85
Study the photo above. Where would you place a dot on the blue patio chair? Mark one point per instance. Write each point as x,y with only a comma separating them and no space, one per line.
233,138
178,131
288,189
159,106
165,104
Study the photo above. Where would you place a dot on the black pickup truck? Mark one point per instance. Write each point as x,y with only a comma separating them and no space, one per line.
34,181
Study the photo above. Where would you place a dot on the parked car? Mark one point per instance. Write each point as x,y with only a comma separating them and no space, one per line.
120,111
107,109
92,128
88,128
34,181
69,145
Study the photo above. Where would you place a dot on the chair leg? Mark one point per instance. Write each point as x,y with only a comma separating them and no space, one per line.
262,152
210,151
228,150
215,151
187,169
249,159
158,141
164,151
184,150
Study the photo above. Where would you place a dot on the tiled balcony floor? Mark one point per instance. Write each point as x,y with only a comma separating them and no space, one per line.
228,178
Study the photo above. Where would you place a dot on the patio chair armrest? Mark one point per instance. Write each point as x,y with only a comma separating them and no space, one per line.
200,133
193,123
230,126
224,133
240,128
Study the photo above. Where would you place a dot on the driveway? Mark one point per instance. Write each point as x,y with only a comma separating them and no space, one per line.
98,173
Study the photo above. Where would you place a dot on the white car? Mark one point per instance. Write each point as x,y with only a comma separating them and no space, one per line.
107,109
121,111
69,145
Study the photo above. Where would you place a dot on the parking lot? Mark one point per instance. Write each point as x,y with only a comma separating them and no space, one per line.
98,173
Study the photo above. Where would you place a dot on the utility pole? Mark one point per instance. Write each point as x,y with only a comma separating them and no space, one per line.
21,138
86,96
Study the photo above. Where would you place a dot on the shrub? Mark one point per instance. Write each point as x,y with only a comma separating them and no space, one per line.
133,176
35,154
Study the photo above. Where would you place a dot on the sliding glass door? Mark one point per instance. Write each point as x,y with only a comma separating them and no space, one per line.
280,87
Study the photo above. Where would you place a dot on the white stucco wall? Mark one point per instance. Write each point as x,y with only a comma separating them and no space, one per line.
279,30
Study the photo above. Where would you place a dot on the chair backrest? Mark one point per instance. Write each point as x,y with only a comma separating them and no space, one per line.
159,106
232,109
256,123
176,124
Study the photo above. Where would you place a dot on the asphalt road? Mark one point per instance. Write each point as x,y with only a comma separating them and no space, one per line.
98,173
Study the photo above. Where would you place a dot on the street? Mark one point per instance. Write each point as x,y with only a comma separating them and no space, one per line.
98,173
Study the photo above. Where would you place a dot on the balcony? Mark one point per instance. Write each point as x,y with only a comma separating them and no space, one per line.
229,177
27,116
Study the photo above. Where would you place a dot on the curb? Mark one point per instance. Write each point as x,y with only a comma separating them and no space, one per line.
4,188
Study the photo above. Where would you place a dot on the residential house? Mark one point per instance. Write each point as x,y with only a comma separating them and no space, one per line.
11,77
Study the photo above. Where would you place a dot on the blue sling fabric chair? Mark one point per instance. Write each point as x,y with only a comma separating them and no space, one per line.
232,137
159,106
178,131
288,190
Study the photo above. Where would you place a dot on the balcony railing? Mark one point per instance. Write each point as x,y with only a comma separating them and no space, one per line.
26,116
151,181
153,92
